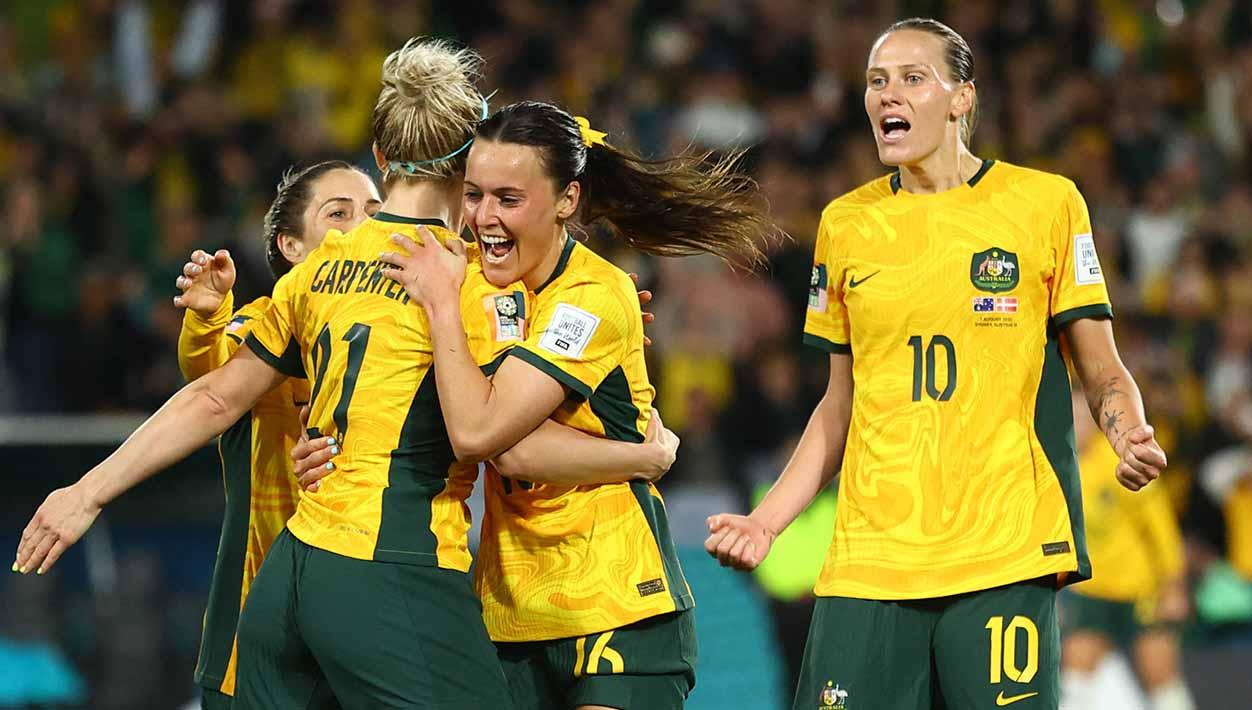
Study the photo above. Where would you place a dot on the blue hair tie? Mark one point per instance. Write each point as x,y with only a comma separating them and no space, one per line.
410,166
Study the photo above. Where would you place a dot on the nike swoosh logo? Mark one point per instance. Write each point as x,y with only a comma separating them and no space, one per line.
1001,701
853,283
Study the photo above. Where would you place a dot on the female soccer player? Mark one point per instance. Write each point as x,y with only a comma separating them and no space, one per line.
581,586
261,493
371,571
942,292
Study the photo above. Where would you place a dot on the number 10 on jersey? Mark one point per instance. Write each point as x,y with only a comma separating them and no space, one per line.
928,377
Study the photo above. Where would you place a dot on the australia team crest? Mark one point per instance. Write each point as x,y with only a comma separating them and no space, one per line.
834,697
994,270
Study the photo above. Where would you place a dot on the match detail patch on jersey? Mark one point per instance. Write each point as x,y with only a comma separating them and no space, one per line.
569,331
994,270
817,288
1086,262
650,587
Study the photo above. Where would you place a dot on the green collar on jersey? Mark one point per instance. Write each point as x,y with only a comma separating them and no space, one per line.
560,264
986,165
399,219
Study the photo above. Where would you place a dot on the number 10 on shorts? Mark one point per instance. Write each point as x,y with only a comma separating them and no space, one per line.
1004,649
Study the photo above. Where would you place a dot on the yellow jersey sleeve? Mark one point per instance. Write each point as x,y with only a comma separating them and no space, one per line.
273,337
579,337
202,342
826,319
1078,287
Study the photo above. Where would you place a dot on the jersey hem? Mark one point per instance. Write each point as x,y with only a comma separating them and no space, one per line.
689,603
829,346
1072,576
552,370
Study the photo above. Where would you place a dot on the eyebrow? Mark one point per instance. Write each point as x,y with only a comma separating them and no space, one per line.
334,199
902,67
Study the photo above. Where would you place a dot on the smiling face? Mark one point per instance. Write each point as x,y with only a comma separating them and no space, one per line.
516,211
912,101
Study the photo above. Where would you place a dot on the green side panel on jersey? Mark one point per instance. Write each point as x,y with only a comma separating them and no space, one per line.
613,405
221,617
1054,425
654,512
418,473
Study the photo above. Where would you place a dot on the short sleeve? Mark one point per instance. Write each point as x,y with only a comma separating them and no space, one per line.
495,320
579,336
273,336
1078,289
826,320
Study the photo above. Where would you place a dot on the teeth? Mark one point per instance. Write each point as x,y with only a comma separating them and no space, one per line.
494,239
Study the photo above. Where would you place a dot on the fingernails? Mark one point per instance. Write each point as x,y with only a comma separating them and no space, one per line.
330,466
330,440
39,571
22,570
334,450
317,485
14,568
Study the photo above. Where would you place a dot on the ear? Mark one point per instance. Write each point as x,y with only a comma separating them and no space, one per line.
963,100
379,159
291,248
567,203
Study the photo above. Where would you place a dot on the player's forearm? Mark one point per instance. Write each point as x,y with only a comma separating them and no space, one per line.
817,458
202,343
464,391
555,453
1115,403
189,420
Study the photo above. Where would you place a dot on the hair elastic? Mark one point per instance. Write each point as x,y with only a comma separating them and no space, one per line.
409,167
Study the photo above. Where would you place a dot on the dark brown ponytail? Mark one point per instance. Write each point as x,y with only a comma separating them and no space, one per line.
678,206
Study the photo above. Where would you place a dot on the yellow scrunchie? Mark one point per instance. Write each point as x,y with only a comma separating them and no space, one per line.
590,135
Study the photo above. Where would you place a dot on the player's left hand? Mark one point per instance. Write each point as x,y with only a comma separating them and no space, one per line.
63,518
645,297
1142,458
430,272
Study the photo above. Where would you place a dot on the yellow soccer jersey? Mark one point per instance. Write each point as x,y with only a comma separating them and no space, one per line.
1132,537
959,472
261,491
396,495
563,561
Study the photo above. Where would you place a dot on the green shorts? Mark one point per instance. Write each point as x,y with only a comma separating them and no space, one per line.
214,700
989,649
1121,622
319,626
648,665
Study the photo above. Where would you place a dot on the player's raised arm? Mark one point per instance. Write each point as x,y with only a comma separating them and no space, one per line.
743,541
1115,402
206,283
192,417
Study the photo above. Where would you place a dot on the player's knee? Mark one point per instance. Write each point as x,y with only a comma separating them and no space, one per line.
1082,651
1156,659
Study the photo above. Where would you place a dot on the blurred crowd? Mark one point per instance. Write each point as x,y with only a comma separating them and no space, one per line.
133,131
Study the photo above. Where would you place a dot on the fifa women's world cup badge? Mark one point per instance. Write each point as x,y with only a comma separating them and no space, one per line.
994,270
834,697
817,288
507,314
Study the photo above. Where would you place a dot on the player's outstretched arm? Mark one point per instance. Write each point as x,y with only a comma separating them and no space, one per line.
1115,401
743,541
205,285
193,416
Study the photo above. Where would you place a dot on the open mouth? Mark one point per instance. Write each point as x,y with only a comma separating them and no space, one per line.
894,128
496,248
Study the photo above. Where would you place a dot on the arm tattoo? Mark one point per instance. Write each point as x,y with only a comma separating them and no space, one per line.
1102,409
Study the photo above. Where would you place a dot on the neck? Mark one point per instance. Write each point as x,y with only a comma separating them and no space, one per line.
949,166
426,200
539,275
